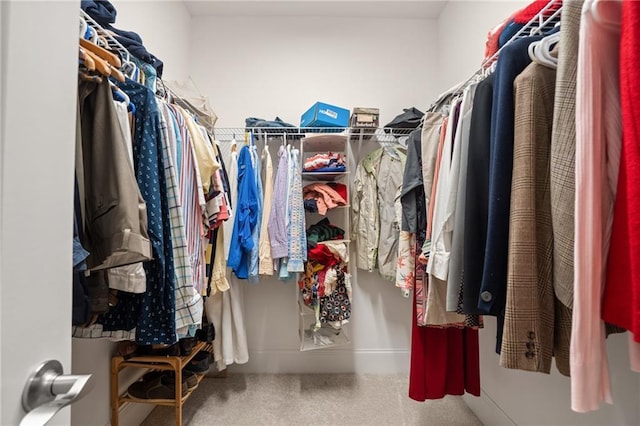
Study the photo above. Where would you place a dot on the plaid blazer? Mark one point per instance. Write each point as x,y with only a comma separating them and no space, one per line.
530,313
563,153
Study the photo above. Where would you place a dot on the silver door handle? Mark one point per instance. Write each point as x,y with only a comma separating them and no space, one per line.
48,391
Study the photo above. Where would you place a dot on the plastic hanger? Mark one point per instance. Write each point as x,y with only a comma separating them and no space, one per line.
234,144
545,48
83,27
540,51
120,94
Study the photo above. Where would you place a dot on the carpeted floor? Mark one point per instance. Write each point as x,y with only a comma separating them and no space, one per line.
312,399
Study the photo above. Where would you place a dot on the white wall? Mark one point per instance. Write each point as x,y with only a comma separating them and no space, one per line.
462,34
510,396
164,28
279,66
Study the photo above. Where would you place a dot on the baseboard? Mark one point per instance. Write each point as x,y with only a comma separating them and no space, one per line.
336,361
487,410
134,414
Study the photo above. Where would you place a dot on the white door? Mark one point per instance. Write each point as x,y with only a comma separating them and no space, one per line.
38,81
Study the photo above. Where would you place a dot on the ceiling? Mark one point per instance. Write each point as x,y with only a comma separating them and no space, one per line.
417,9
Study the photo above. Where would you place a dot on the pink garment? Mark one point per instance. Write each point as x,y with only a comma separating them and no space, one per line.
326,197
321,160
598,145
422,285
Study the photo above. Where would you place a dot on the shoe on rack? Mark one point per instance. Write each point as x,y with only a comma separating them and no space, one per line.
186,345
189,380
156,389
199,363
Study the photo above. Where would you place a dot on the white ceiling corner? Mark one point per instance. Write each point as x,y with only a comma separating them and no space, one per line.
417,9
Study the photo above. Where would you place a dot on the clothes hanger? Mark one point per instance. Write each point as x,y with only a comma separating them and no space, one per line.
102,66
101,52
90,34
120,93
86,59
83,27
540,51
545,48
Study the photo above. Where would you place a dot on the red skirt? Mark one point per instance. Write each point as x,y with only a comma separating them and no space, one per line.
444,361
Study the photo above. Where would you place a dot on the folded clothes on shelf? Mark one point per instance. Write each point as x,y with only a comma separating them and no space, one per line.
325,162
320,197
269,125
323,231
409,119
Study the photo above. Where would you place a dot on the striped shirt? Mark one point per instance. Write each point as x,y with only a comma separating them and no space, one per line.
188,301
193,203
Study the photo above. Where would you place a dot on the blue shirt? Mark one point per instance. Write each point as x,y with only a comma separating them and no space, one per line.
246,216
255,235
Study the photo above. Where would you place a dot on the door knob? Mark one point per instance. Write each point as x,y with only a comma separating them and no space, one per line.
48,390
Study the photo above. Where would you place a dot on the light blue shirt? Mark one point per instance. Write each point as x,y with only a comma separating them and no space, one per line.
254,261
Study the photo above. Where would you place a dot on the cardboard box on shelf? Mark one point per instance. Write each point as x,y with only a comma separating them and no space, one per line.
325,115
365,120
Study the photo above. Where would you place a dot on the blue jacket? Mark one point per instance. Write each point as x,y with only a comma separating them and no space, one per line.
246,217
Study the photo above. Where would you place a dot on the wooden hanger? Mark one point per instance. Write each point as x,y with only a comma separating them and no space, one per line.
104,67
86,59
117,74
101,52
101,65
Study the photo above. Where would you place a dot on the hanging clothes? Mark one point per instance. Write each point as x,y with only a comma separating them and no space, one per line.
233,195
277,216
444,361
246,216
189,309
598,146
477,197
534,317
191,197
297,240
114,217
131,278
255,234
377,210
366,217
623,284
563,153
439,228
512,61
389,187
266,261
455,287
151,313
412,199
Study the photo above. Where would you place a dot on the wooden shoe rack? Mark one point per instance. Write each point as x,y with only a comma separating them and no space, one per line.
163,363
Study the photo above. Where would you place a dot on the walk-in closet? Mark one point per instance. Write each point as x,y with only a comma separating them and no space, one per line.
234,212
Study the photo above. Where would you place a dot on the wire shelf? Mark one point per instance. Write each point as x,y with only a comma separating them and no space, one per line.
382,134
112,43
